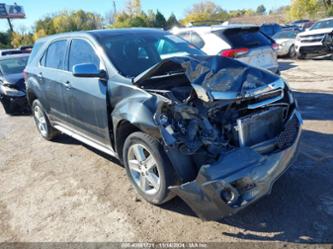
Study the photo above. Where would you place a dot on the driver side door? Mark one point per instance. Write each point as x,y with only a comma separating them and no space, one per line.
86,98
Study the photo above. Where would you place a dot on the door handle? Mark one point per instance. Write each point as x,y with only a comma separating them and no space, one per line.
67,85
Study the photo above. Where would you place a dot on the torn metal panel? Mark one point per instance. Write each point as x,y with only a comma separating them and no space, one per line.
236,180
212,77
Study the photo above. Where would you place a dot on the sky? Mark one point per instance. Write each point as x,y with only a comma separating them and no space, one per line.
36,9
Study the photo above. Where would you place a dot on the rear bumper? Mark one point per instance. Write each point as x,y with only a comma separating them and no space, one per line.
237,180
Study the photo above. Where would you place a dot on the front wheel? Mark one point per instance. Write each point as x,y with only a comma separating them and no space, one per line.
300,56
42,122
148,168
292,52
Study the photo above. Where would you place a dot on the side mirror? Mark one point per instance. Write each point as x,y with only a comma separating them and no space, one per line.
87,70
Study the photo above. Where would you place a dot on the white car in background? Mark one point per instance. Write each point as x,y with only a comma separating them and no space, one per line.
286,43
310,41
242,42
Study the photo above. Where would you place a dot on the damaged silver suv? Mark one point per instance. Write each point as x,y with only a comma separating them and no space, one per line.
212,130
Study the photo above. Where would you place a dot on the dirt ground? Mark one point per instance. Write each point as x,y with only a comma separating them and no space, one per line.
66,191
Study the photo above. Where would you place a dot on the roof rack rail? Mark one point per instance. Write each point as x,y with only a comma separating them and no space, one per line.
205,23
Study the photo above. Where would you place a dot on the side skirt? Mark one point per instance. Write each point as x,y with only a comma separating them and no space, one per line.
87,141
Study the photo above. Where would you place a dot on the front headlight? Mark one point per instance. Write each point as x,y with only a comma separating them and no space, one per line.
298,38
283,44
12,92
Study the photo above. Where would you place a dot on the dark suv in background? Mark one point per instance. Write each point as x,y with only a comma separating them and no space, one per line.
210,129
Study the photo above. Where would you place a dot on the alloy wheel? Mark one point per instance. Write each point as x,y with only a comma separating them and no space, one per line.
143,169
40,120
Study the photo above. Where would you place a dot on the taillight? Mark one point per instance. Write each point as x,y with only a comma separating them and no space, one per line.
275,46
233,53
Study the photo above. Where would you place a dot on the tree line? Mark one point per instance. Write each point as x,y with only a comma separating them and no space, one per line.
133,16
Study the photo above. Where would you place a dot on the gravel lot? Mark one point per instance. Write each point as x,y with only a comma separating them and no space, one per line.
66,191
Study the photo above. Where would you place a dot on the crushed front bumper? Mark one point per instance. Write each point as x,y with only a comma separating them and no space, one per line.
238,179
15,104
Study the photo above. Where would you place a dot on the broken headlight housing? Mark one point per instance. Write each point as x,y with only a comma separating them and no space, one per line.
9,90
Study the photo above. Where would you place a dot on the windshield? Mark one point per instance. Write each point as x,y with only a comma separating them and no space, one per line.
13,65
244,37
132,54
285,35
322,25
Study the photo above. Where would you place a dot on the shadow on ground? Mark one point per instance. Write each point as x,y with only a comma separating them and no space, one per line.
315,106
64,139
285,65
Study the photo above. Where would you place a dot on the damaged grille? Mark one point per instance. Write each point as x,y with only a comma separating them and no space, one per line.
260,126
265,99
289,134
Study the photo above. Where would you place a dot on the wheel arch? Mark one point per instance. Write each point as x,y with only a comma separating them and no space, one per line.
31,96
123,129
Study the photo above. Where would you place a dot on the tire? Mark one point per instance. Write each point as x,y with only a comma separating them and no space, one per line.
300,56
292,52
141,176
42,122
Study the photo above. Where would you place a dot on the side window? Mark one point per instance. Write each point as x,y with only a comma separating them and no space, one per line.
163,47
55,55
82,52
197,40
186,36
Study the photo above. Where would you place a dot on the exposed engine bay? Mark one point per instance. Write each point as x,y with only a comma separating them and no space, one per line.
230,128
214,106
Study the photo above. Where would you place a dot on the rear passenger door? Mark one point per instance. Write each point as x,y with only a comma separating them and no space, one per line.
52,76
86,97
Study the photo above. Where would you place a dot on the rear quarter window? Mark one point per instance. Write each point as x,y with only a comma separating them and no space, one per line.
55,55
244,38
35,50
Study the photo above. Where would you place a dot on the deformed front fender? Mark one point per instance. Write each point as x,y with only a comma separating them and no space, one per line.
138,110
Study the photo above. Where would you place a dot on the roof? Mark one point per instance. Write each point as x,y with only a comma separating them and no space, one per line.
4,57
326,19
214,27
103,32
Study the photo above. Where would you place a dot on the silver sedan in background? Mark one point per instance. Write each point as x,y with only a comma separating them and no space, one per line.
286,43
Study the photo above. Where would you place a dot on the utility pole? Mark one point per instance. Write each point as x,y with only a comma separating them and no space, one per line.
10,24
114,8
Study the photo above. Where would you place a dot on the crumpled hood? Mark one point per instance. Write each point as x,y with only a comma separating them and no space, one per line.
15,79
212,77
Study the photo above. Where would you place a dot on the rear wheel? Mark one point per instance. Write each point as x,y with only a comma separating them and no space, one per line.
148,168
42,122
